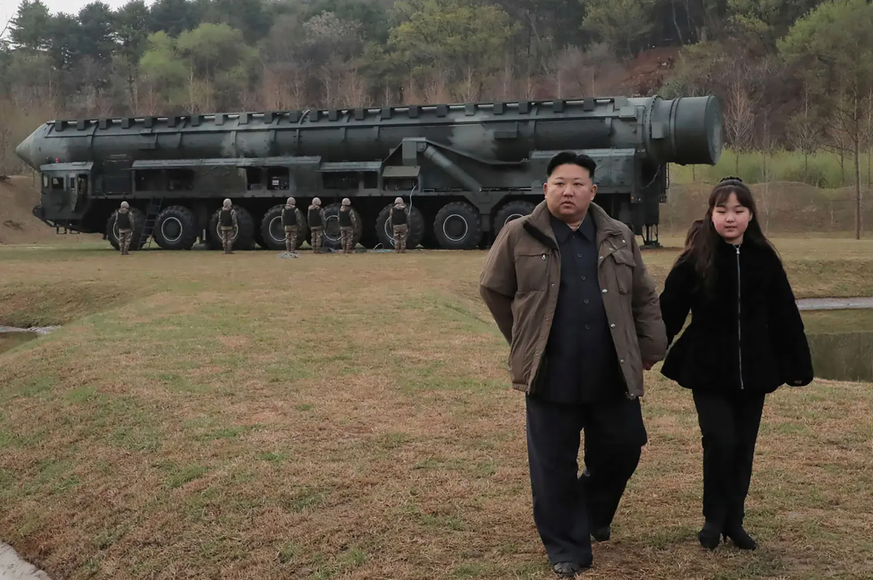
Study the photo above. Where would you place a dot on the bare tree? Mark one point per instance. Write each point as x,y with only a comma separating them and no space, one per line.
740,109
469,88
353,89
770,197
436,88
803,131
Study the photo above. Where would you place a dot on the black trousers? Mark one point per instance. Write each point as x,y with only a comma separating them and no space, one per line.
729,428
565,507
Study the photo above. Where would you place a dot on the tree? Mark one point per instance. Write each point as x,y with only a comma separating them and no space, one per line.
835,44
132,22
30,27
804,130
455,37
740,107
95,33
764,22
580,72
620,23
219,64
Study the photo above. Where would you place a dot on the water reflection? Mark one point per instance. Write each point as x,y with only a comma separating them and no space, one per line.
9,340
842,356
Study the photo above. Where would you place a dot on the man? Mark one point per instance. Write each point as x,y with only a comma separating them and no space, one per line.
227,222
289,222
348,223
315,218
125,221
400,224
568,289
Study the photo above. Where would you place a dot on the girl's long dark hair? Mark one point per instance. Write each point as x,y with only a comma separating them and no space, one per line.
702,245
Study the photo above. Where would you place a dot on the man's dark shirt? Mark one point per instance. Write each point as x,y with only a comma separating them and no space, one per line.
582,366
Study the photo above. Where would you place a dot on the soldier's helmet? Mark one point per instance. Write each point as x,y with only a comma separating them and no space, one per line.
316,201
347,201
290,201
124,205
227,203
398,200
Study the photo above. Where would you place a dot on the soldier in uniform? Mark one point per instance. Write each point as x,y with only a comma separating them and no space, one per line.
316,224
289,221
125,221
348,223
227,222
400,224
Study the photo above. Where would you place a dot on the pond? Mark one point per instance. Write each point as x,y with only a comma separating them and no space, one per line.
842,356
9,340
841,343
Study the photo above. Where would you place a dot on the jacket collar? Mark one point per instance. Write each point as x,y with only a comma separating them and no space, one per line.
539,225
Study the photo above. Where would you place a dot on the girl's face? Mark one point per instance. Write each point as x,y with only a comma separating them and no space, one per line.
731,219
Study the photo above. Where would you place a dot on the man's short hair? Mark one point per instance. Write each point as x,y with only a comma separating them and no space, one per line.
565,157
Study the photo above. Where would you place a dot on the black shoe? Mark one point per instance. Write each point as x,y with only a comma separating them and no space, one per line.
569,569
601,534
740,537
709,536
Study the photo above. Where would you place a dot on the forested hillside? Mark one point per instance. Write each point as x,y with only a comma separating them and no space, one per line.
793,74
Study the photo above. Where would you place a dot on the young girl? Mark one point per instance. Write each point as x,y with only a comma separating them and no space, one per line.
745,340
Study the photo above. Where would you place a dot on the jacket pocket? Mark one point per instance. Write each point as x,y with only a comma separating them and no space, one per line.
532,271
624,265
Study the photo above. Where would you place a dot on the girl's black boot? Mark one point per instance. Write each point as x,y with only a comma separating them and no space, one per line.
740,537
709,535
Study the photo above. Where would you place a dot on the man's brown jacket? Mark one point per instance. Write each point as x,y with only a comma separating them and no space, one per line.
521,278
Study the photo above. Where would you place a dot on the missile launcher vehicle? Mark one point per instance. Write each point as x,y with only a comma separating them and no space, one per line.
465,169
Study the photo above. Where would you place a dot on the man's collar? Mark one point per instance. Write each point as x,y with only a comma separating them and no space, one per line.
587,229
538,224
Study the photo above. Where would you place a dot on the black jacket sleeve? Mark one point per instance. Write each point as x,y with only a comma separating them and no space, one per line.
791,345
676,298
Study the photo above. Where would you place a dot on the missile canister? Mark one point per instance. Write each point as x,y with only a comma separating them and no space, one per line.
480,155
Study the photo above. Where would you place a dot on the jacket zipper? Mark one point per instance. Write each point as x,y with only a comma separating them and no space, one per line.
739,319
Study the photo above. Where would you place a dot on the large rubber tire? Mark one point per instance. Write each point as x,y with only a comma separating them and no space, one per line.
510,211
259,239
244,235
457,226
175,228
137,241
272,231
331,238
386,233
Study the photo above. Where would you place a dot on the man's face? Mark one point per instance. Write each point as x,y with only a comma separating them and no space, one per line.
569,192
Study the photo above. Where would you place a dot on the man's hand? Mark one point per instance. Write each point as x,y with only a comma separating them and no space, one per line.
648,365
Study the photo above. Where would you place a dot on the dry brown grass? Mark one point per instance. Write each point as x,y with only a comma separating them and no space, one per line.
349,417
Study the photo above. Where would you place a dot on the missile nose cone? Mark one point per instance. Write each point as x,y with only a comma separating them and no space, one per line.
26,151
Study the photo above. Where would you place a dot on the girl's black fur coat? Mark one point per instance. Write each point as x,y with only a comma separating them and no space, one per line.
756,323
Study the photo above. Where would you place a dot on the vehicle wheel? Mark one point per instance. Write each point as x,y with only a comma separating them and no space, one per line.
511,211
175,228
458,226
243,235
273,232
332,238
386,232
137,241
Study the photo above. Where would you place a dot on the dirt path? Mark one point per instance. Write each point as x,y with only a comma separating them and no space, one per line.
835,304
14,568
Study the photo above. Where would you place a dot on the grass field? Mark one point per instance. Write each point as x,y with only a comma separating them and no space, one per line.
820,169
211,416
